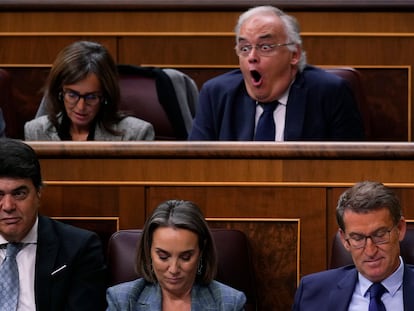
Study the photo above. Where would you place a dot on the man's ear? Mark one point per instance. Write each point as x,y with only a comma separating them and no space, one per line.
402,228
344,242
296,55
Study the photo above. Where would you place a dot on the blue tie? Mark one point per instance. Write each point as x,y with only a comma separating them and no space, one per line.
375,304
265,130
9,278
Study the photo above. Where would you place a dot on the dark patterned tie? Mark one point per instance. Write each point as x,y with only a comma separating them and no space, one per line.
265,130
9,278
375,303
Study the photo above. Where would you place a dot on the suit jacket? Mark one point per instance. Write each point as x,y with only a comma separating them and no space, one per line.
82,283
333,290
320,106
139,295
133,129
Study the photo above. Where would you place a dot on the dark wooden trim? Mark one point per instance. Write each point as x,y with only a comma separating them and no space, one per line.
228,150
211,5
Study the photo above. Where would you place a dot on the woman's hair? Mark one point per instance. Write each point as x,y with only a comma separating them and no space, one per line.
73,64
291,25
184,215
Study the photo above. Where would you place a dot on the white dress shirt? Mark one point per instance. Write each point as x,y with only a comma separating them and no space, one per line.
392,298
278,115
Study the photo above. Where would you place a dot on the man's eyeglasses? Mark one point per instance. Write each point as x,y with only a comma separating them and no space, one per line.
264,49
379,237
72,97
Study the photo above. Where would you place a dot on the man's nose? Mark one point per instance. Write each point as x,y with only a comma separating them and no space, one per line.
7,202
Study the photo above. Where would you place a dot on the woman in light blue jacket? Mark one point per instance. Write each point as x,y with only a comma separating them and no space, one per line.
177,261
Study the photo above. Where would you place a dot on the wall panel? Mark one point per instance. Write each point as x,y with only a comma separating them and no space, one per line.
282,195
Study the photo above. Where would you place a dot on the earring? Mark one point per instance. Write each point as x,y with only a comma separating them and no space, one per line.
200,266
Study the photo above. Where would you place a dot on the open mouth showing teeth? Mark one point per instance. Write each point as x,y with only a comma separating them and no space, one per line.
256,75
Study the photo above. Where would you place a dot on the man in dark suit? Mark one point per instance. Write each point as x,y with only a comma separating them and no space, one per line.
371,228
61,267
311,103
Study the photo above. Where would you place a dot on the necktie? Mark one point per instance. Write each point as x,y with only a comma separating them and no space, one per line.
9,278
265,129
375,304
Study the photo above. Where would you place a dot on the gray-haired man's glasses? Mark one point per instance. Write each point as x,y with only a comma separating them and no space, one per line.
265,49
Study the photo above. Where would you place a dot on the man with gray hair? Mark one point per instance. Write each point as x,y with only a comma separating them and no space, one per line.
275,95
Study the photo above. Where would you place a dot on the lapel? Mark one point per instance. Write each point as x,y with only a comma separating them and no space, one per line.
47,248
408,286
149,300
202,298
341,294
295,109
243,115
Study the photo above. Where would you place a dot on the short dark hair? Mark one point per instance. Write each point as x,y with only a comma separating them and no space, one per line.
183,215
19,160
367,196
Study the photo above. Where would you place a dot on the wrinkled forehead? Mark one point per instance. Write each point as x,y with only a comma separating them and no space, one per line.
261,27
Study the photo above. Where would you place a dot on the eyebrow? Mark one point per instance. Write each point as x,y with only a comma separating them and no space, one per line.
265,36
67,89
22,187
158,249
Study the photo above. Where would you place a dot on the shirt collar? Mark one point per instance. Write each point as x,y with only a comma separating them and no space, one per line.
391,283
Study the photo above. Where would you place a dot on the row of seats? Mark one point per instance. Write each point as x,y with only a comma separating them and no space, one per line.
167,98
234,258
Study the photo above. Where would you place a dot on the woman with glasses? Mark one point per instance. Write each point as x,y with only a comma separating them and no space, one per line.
81,99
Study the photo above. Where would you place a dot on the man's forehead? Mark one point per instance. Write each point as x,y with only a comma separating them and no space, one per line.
10,183
369,221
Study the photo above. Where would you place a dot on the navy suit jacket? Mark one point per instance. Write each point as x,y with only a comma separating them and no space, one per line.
333,289
139,295
320,107
81,285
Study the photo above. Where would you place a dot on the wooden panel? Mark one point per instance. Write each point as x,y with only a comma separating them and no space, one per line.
99,200
275,255
211,5
42,50
285,192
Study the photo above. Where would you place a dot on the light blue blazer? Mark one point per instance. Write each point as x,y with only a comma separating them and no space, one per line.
133,129
140,295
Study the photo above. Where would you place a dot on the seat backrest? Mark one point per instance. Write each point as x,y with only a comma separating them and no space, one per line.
234,262
166,98
353,77
341,257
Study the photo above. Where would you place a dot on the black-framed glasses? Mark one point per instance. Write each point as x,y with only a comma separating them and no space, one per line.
263,49
381,236
72,98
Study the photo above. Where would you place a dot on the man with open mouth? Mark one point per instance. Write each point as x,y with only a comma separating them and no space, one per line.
302,102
